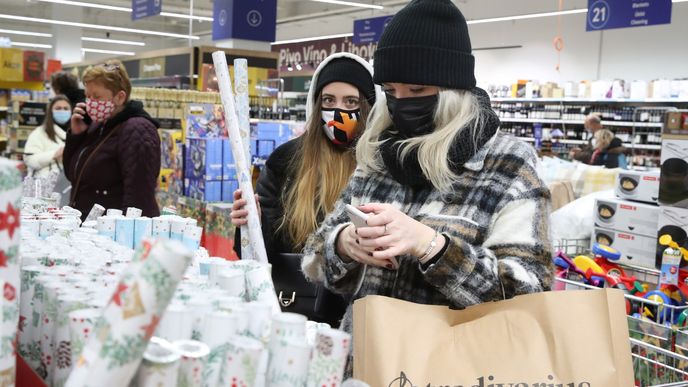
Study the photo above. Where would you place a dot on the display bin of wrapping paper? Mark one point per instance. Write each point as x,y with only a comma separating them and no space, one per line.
219,231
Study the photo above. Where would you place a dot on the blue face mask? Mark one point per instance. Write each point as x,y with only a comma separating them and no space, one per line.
61,116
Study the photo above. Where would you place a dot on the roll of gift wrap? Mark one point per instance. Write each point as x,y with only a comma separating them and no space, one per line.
216,266
161,227
259,319
176,324
177,226
81,326
259,287
288,365
192,237
114,212
31,226
143,229
241,362
288,326
134,213
62,345
160,365
124,232
329,358
112,356
107,226
217,330
96,212
232,281
194,354
29,274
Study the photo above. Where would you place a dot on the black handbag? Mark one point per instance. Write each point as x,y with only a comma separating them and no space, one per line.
298,295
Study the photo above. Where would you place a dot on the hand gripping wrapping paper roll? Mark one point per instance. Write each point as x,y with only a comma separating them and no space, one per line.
10,203
255,235
112,356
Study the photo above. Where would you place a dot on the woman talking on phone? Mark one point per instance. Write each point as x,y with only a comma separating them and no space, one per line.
112,153
456,213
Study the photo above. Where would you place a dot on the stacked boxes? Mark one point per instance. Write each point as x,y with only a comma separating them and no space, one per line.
203,168
172,162
266,137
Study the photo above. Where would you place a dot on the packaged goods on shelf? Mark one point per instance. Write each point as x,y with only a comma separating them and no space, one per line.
200,189
673,221
267,136
204,159
638,186
636,250
171,144
204,120
673,182
676,124
219,231
625,216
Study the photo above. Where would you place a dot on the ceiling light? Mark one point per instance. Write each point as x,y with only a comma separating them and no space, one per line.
32,45
113,41
27,33
123,9
350,3
96,26
528,16
312,38
128,53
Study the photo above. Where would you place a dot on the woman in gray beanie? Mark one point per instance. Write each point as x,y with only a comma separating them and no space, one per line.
457,214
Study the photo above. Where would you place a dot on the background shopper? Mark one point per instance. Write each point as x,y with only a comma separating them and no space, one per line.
45,145
303,178
114,161
609,150
67,84
459,205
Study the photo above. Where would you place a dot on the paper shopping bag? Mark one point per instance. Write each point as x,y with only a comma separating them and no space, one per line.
553,339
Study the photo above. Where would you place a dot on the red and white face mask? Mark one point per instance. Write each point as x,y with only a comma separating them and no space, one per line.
99,110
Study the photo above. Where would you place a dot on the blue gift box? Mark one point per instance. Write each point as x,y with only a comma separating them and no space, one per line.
208,191
143,228
203,159
228,188
124,232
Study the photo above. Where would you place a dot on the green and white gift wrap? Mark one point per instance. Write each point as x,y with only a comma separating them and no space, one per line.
62,342
10,235
29,274
81,326
217,330
112,356
329,358
288,366
259,287
241,362
160,365
194,355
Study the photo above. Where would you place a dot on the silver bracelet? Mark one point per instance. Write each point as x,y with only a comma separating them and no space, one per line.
431,247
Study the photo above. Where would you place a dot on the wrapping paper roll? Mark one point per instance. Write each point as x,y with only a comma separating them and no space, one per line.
204,266
48,327
46,227
241,362
81,326
259,319
34,345
114,213
143,229
134,213
107,226
216,266
62,345
244,124
199,307
191,222
259,287
96,212
354,383
176,324
160,365
288,365
29,274
111,357
177,226
192,237
217,330
329,358
31,226
194,354
232,281
124,232
312,329
254,234
161,227
287,326
10,234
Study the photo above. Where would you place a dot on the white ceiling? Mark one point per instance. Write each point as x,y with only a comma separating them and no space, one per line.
295,18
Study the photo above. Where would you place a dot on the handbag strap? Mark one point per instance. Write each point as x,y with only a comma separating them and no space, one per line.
75,189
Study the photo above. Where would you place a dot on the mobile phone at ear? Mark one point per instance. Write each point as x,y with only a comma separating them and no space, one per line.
358,217
87,119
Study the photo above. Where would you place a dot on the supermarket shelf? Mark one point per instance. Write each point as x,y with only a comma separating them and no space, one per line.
526,139
584,100
581,142
574,142
580,122
643,146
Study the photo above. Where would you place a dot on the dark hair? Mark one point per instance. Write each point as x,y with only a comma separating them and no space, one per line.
62,82
48,123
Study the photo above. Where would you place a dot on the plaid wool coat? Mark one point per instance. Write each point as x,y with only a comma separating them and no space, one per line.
496,220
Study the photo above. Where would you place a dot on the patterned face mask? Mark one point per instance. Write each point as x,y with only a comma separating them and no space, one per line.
340,125
99,110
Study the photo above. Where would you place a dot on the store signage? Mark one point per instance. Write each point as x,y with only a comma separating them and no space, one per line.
152,68
11,64
245,19
31,113
609,14
34,66
369,30
310,54
144,8
54,65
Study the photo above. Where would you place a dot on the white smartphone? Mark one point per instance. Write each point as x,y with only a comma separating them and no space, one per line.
360,219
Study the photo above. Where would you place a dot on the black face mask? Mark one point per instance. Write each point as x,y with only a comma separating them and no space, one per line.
413,116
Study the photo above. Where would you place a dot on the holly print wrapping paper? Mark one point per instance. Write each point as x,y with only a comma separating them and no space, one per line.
112,355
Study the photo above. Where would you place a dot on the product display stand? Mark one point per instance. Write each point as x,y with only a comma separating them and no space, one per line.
255,234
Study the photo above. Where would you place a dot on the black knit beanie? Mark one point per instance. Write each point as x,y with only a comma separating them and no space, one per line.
426,43
349,71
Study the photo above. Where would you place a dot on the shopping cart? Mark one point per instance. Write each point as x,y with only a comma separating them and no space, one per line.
659,352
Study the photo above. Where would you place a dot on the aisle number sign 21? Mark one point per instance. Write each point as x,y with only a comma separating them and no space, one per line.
608,14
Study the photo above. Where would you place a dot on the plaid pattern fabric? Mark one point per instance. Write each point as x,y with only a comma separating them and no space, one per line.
496,220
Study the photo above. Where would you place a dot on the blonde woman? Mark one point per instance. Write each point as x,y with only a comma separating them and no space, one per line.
456,212
303,178
609,150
